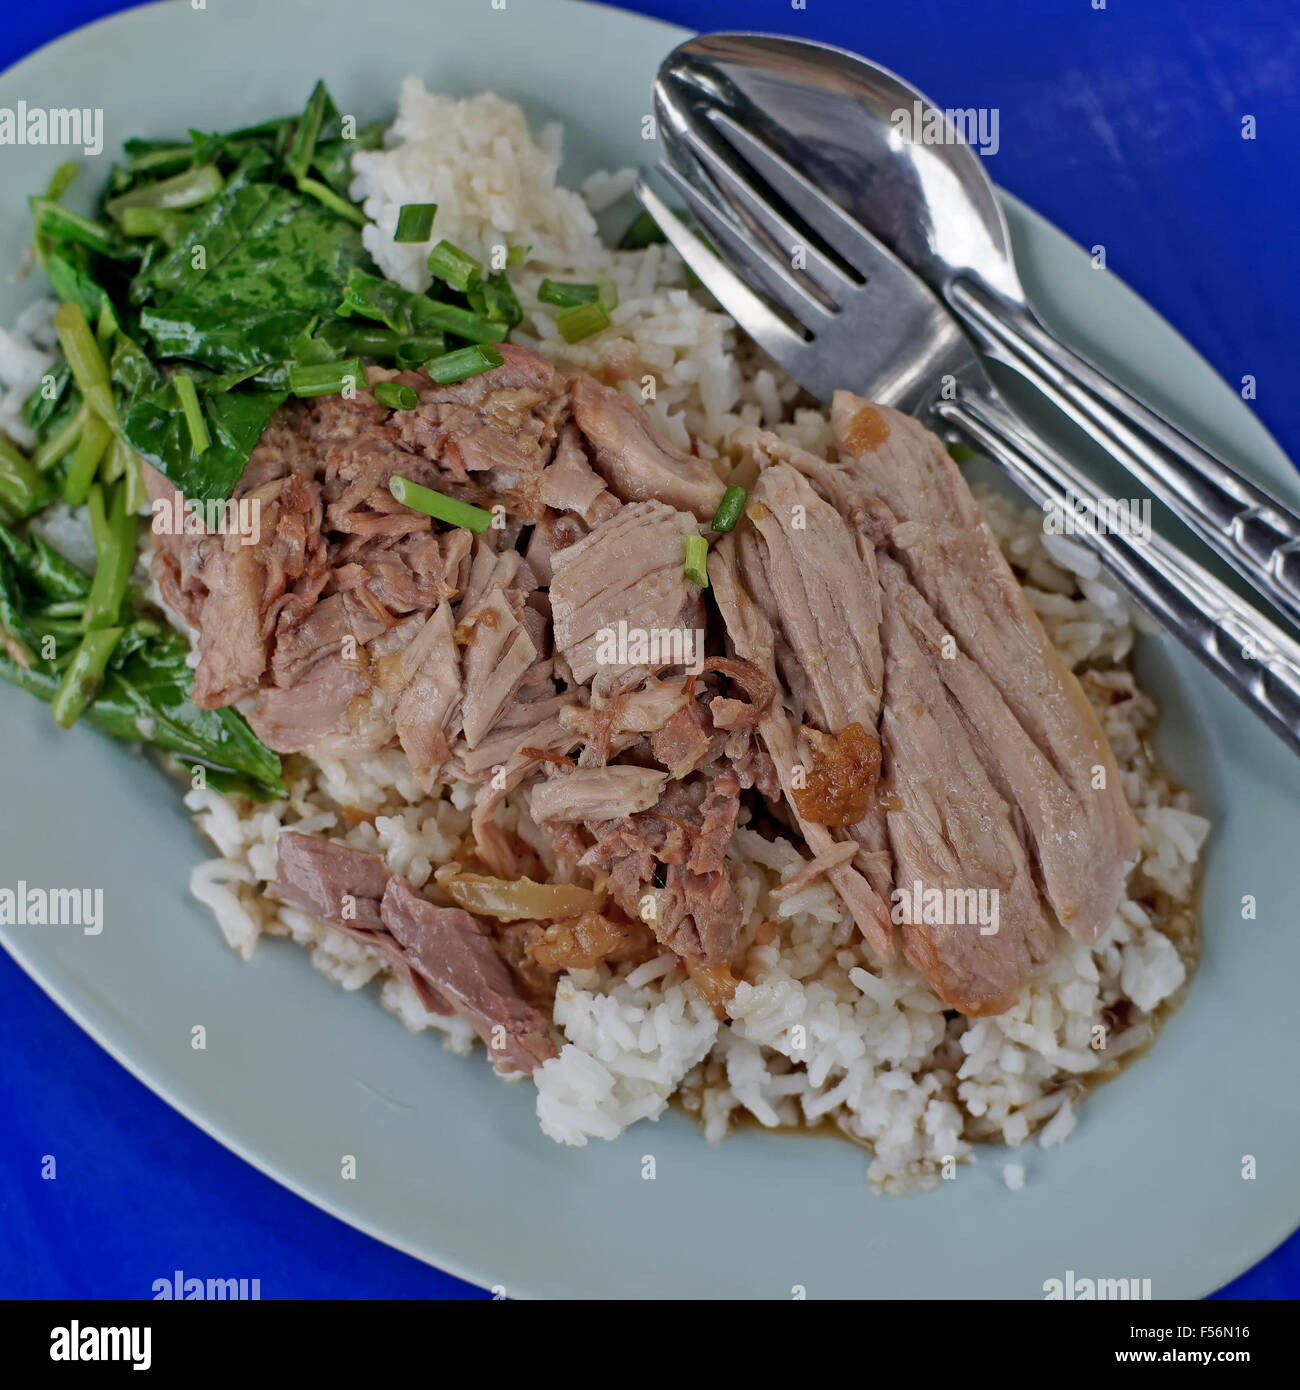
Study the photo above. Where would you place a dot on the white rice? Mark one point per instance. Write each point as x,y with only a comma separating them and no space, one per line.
817,1032
26,354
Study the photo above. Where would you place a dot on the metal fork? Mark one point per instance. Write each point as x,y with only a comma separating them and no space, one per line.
852,316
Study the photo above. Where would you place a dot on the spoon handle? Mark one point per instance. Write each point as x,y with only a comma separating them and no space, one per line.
1248,528
1255,659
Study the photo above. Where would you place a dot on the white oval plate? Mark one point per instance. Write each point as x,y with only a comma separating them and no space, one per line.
450,1164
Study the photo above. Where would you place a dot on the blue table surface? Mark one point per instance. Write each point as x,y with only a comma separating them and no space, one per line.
1123,126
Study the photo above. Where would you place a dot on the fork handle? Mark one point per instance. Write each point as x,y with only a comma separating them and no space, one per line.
1258,661
1247,527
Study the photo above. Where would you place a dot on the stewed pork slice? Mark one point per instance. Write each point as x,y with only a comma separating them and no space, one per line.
447,954
455,953
423,682
819,591
596,793
972,921
344,888
1050,824
490,437
666,866
824,602
932,524
501,635
626,578
570,484
327,528
752,639
634,459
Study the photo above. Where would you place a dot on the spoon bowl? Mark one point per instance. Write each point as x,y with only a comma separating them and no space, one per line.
841,119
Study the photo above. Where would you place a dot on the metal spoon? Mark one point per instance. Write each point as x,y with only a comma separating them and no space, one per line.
847,124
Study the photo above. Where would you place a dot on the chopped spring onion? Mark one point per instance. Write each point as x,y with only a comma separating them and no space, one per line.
415,352
185,190
85,674
193,412
451,318
21,487
495,298
582,322
396,396
608,293
567,296
697,557
517,255
90,450
89,369
357,340
434,504
454,266
643,232
463,364
328,378
730,508
415,221
325,195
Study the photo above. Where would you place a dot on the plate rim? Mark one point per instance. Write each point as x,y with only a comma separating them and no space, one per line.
100,1027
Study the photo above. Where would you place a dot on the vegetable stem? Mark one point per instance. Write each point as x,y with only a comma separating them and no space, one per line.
325,195
89,369
193,412
21,486
90,449
184,190
307,132
58,223
84,675
151,222
61,179
114,531
58,444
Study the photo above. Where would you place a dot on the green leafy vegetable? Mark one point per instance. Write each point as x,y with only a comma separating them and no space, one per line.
157,430
644,231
